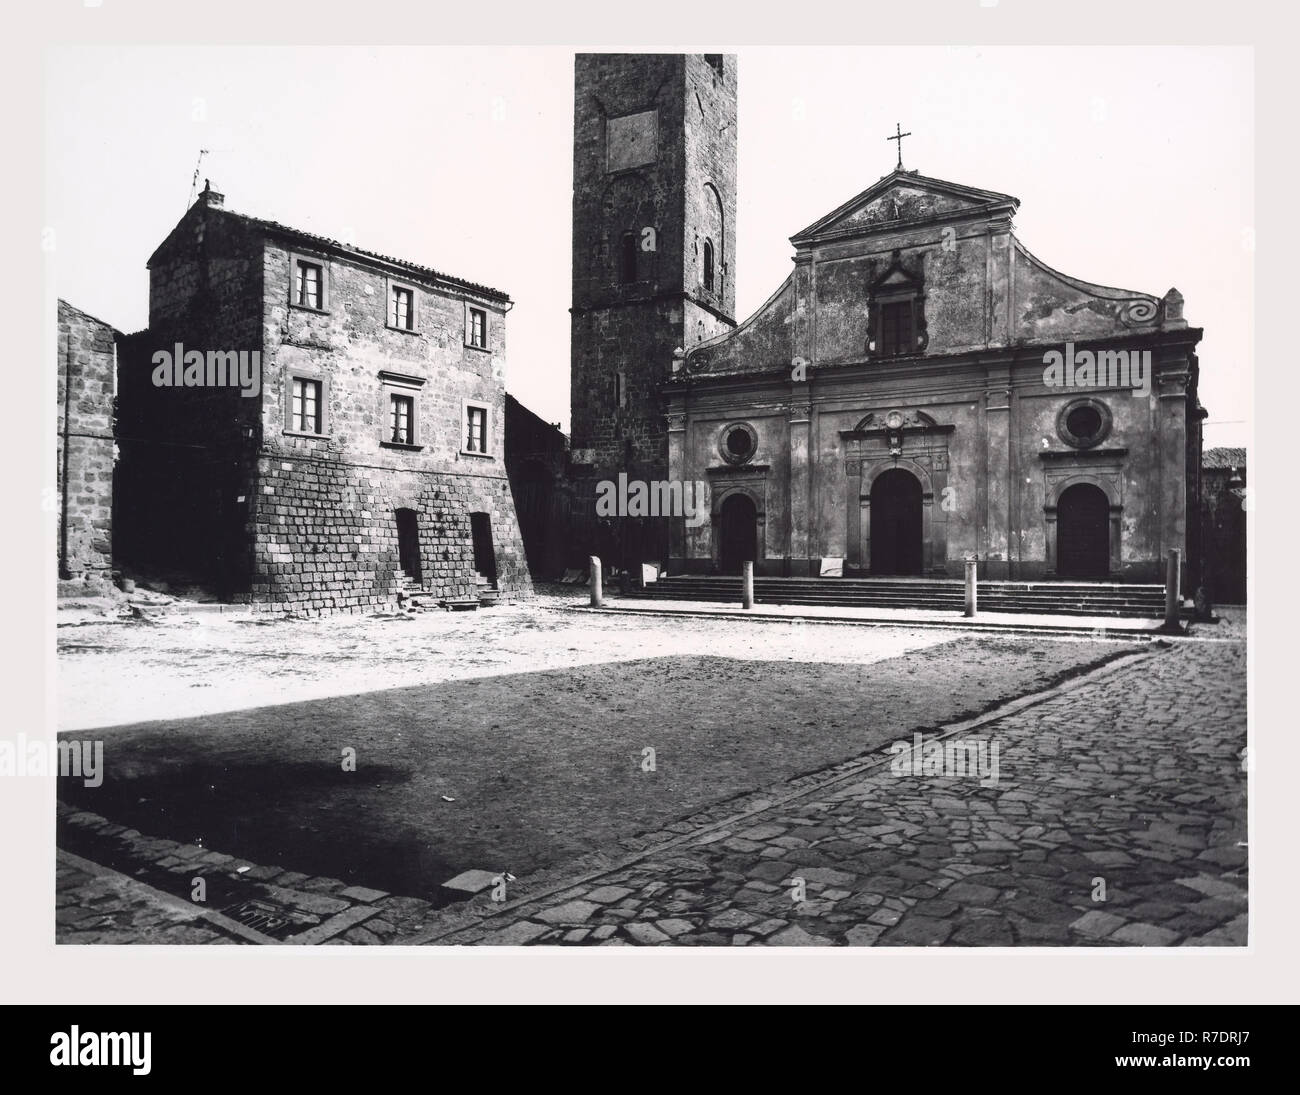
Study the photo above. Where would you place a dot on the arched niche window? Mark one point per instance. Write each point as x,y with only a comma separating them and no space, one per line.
627,258
896,313
713,234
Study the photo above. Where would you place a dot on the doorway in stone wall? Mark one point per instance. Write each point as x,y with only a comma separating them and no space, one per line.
408,544
485,559
737,533
896,524
1083,532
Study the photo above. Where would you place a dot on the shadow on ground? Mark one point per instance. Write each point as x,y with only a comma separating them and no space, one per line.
520,771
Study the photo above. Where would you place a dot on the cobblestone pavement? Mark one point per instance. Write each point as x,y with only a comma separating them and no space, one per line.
94,905
1119,818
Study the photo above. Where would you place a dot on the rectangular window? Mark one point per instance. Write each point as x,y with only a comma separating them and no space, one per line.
305,408
309,284
402,420
477,328
401,308
475,429
399,409
896,328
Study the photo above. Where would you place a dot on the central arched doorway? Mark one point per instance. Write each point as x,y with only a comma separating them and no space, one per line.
737,532
1083,532
896,539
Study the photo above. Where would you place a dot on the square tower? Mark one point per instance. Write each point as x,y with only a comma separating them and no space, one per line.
654,214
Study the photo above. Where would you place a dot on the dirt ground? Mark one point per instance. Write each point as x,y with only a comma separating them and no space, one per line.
114,672
506,740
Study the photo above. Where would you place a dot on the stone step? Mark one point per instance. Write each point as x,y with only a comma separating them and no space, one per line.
1044,598
892,596
917,583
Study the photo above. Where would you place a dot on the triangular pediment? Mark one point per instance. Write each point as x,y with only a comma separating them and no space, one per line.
904,197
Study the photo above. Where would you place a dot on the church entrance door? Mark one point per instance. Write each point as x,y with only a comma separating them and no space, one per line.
737,533
896,540
1083,532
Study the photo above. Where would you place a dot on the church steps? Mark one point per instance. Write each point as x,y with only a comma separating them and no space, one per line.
1044,598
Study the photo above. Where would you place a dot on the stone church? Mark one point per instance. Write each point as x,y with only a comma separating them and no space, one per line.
920,389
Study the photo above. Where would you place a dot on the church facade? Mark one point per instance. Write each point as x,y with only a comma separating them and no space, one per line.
921,390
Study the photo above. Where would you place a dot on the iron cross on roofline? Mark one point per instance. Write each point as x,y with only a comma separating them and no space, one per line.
898,136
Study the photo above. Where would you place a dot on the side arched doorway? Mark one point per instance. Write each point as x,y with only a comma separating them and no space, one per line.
737,532
408,544
896,526
1083,532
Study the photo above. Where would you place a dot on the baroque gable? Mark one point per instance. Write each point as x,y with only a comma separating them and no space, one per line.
913,268
905,197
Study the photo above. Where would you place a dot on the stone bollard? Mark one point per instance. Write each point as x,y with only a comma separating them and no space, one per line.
1173,602
597,593
747,580
972,576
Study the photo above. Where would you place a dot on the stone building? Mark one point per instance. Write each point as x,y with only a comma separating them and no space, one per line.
1223,524
87,349
537,454
922,389
307,424
654,213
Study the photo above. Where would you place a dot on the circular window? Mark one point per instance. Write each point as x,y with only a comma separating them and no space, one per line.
738,444
1084,423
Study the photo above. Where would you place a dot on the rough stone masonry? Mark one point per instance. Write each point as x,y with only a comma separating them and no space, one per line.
87,359
373,454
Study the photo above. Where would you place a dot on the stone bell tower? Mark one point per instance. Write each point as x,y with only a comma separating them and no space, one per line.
654,215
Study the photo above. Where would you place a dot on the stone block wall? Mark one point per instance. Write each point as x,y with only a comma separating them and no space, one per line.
1223,530
323,519
220,484
85,452
186,466
325,535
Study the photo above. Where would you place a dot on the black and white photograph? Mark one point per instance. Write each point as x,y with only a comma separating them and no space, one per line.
598,494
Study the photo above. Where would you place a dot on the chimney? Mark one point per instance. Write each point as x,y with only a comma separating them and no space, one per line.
211,198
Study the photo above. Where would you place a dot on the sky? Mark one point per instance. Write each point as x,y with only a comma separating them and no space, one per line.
1134,167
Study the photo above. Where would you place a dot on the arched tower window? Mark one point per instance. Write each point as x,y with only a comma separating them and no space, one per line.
713,232
627,258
